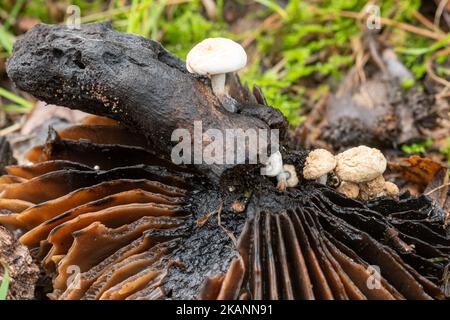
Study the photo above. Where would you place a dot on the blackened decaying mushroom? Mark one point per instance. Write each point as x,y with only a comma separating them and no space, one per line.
103,199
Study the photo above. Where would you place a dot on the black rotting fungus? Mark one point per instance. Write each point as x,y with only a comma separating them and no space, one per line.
138,227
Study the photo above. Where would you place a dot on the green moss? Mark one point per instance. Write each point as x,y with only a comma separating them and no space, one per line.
418,148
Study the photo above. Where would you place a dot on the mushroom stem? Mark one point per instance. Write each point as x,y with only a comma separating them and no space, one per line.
282,180
218,83
218,86
322,179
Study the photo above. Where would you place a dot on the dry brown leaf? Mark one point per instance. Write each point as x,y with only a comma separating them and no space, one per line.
416,169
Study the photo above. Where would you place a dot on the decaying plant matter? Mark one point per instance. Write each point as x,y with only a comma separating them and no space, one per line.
22,271
102,195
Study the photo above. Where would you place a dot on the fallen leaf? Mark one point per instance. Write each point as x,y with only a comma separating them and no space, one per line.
416,169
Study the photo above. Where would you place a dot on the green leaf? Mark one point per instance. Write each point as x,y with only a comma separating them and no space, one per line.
15,98
4,286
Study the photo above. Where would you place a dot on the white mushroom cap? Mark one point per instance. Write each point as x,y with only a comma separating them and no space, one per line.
274,165
360,164
318,163
216,56
292,179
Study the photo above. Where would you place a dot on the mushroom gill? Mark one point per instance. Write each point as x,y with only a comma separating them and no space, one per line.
93,214
146,231
110,217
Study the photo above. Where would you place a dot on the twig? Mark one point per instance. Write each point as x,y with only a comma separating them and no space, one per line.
427,23
10,129
443,94
203,219
401,25
210,8
440,9
116,11
376,57
430,71
271,21
437,188
219,222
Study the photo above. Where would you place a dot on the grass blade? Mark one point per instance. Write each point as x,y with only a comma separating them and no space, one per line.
15,98
4,286
274,7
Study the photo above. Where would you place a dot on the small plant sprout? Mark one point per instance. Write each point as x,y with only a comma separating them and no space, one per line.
215,57
273,166
318,164
287,178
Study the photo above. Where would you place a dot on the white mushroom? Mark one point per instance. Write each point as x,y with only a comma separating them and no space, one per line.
318,164
360,164
215,57
287,178
273,166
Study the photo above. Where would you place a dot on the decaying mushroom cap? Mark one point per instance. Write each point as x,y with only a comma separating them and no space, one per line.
216,56
360,164
318,163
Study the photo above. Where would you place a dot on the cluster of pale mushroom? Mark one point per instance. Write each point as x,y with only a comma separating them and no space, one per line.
356,172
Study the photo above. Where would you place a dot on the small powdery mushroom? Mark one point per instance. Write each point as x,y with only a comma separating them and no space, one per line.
378,188
318,164
372,189
274,165
350,189
391,189
360,164
287,178
215,57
